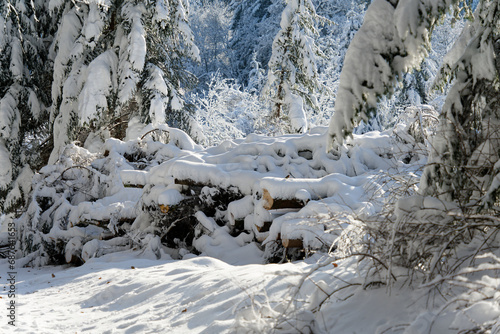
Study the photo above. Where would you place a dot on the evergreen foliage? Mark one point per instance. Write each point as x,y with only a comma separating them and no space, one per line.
72,71
465,151
255,24
117,60
292,74
25,75
438,228
462,164
394,39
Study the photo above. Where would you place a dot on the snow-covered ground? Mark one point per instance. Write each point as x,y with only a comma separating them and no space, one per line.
124,293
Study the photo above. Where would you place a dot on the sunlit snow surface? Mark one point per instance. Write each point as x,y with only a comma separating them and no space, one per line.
124,293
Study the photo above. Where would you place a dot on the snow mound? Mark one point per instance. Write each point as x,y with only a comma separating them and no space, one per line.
279,194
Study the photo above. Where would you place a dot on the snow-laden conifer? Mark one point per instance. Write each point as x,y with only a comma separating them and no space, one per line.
114,60
433,229
24,96
393,40
254,26
463,163
292,73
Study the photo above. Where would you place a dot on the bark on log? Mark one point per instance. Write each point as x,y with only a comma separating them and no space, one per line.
191,183
292,243
271,203
130,185
102,223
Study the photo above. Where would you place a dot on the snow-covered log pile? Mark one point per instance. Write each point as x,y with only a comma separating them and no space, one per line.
276,194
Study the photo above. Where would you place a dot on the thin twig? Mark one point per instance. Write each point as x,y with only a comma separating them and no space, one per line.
81,167
151,131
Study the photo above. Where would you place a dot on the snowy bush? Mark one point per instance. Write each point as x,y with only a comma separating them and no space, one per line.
226,111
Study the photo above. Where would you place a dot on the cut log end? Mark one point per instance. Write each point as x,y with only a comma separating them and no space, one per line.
264,228
268,200
75,260
106,235
164,208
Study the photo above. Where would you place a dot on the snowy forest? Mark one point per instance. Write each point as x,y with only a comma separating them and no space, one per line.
250,166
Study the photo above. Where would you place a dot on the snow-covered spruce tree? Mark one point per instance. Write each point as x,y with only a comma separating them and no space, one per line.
170,43
423,232
117,59
463,164
25,74
292,69
393,40
334,41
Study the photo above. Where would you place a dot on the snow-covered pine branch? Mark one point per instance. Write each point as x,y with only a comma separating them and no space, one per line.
114,61
464,160
25,73
393,40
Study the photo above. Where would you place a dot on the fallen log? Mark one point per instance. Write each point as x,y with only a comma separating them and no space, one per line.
292,243
271,203
101,223
190,183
